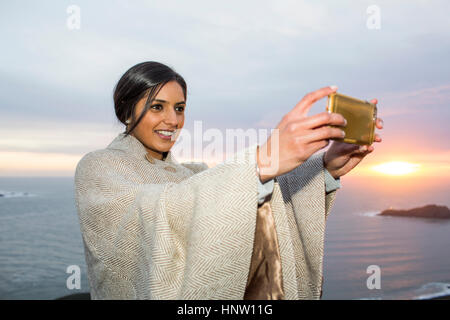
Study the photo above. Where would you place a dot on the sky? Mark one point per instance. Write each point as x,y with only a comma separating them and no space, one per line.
246,63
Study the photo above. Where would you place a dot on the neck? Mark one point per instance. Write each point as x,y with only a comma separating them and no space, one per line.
154,153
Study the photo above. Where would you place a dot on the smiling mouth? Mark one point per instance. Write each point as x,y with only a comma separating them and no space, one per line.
165,135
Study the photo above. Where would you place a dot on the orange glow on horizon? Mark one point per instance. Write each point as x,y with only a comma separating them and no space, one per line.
411,165
396,168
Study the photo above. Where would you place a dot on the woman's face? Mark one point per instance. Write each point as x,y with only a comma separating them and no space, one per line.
166,113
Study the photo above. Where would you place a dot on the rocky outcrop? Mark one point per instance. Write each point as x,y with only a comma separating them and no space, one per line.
76,296
428,211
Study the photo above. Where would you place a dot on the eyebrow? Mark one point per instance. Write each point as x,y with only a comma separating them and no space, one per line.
164,101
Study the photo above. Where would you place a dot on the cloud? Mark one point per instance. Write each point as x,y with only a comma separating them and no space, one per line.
53,137
247,63
418,101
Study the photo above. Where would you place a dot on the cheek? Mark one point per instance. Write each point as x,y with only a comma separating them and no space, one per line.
149,122
146,126
181,121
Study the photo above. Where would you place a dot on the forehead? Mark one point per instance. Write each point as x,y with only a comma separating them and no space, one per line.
171,92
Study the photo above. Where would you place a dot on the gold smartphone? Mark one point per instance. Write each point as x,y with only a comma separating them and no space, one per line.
360,115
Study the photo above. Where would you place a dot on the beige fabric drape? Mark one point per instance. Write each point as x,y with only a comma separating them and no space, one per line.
166,230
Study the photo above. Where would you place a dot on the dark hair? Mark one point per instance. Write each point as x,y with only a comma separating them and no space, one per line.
145,78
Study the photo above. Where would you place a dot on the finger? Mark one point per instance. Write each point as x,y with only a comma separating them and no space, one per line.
361,149
374,101
302,108
324,133
343,148
364,152
315,146
377,138
379,123
351,148
347,148
364,149
324,118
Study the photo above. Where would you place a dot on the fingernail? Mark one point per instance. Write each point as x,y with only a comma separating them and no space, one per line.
345,122
343,133
333,87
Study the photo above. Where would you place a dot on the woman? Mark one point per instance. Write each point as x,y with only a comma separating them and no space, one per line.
156,229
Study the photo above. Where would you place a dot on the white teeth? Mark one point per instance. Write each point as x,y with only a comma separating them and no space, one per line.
166,133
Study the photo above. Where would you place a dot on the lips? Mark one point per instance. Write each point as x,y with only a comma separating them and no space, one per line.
164,136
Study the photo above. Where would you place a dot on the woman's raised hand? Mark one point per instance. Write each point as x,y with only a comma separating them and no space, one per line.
298,136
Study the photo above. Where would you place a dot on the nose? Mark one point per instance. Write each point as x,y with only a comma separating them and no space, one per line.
171,118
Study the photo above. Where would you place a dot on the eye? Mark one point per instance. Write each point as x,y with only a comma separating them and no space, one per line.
181,108
156,105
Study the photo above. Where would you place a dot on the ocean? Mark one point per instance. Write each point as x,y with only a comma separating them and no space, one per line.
40,239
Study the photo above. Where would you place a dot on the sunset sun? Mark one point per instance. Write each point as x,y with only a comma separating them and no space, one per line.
396,168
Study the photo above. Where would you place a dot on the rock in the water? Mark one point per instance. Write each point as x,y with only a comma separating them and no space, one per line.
428,211
76,296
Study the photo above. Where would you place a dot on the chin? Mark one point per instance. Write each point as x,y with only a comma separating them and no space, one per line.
165,148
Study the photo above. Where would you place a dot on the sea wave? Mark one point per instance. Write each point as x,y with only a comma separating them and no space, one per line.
433,290
14,194
368,214
428,291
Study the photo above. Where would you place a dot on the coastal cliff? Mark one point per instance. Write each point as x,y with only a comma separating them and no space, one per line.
429,211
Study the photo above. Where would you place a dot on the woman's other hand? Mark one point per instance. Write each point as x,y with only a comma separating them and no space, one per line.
298,136
342,157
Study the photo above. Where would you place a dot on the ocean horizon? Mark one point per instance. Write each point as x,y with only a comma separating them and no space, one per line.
40,238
